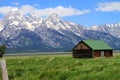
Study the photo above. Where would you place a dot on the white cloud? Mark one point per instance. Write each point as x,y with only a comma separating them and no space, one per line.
5,10
109,6
60,10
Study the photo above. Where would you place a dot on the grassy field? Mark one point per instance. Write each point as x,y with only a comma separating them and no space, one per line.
62,67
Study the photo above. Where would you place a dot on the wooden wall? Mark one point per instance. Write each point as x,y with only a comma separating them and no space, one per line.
82,53
89,54
82,46
107,53
97,53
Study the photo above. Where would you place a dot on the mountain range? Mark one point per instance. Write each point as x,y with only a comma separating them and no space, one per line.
31,32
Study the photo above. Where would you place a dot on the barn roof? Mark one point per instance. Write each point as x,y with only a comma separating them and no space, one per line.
97,44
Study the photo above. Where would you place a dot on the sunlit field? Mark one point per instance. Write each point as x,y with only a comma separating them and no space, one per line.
62,67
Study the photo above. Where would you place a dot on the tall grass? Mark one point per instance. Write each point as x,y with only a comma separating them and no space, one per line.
62,67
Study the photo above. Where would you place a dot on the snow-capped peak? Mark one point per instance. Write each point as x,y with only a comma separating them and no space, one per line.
113,29
94,27
14,14
54,18
32,21
14,9
13,20
33,14
54,15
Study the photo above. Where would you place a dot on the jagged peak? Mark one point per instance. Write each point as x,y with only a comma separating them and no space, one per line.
14,9
32,14
54,16
13,14
111,25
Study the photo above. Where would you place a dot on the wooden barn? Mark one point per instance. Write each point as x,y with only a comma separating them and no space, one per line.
92,49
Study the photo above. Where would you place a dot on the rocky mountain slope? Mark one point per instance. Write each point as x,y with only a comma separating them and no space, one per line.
52,33
113,29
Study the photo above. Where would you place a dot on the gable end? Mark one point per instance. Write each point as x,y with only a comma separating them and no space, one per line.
81,46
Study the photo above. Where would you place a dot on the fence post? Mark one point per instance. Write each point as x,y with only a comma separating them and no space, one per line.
4,69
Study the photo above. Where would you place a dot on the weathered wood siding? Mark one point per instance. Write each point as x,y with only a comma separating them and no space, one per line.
108,53
82,46
97,53
82,53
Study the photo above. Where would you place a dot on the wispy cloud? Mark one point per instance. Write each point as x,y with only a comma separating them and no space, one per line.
15,3
109,6
60,10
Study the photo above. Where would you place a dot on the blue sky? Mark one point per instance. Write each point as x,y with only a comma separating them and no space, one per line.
85,12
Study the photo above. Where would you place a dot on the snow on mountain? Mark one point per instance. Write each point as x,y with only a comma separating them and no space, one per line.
52,33
14,19
1,27
12,24
54,22
32,21
113,29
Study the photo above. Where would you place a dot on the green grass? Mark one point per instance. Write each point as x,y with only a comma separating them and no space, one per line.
62,67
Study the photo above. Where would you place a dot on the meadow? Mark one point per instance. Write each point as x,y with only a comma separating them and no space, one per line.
62,67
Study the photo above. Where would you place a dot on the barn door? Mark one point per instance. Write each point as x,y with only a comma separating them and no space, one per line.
102,54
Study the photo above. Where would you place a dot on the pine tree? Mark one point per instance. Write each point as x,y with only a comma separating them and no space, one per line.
2,50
